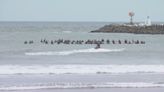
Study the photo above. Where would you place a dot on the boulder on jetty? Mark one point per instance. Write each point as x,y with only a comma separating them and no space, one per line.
136,29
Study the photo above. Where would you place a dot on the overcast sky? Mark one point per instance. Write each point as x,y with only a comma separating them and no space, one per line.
80,10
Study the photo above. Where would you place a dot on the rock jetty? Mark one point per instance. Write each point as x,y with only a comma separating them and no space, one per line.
136,29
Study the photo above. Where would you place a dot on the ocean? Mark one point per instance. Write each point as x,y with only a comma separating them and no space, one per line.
48,57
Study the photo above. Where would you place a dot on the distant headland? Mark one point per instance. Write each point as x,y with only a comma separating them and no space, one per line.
136,28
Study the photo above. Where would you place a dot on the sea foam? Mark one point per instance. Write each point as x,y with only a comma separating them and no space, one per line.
80,69
92,50
82,85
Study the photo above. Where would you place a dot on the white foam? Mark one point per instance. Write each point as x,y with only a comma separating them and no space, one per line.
67,31
92,50
83,85
80,69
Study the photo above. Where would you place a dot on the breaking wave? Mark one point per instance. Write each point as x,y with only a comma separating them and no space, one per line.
82,85
92,50
80,69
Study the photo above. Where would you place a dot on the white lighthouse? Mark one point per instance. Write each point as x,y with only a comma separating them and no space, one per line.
148,21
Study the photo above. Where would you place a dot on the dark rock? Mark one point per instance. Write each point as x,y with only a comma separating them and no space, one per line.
153,29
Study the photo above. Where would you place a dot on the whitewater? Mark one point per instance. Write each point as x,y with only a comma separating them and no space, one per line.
82,85
80,69
92,50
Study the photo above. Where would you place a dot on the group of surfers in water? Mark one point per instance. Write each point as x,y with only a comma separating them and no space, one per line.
89,41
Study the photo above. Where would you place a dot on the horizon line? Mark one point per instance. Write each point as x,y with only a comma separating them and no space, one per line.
82,21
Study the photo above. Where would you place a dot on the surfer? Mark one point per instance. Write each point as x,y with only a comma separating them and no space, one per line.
98,46
25,42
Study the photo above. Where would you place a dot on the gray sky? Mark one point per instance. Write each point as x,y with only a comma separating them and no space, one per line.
80,10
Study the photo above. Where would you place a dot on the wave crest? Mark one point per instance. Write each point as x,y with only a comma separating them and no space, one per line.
92,50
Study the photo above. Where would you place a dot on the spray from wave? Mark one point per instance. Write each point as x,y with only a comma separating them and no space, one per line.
92,50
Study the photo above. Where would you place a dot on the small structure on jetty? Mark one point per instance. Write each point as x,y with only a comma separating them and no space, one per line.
131,14
131,27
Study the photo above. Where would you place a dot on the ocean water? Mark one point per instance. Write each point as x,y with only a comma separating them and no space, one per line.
62,67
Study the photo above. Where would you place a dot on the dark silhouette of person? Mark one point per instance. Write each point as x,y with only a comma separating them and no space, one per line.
142,42
119,41
98,46
125,41
52,42
31,42
108,41
113,41
25,42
